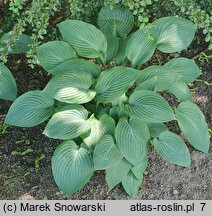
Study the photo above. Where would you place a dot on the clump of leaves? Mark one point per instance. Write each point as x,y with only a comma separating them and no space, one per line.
108,115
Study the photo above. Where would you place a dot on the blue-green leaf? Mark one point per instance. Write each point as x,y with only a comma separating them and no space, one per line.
150,107
141,46
98,127
109,32
77,65
30,109
121,18
174,33
106,153
172,148
193,125
8,89
53,53
156,129
72,166
117,173
131,137
131,184
186,68
114,82
71,87
86,39
21,45
70,122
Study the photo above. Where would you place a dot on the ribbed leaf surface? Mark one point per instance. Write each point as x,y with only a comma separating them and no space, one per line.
161,77
30,109
105,125
156,129
193,125
131,138
72,166
150,107
53,53
141,46
181,91
21,45
172,148
121,18
174,33
114,82
117,173
139,169
106,153
68,123
71,87
186,68
77,65
86,39
8,89
109,32
121,56
131,184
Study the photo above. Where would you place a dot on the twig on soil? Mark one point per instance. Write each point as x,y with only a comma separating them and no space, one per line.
198,55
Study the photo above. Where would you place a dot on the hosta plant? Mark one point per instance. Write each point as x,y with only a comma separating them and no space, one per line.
106,110
8,90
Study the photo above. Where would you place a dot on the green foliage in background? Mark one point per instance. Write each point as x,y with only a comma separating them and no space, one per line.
38,18
198,11
105,109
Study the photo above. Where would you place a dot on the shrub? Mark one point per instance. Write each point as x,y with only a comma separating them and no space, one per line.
106,110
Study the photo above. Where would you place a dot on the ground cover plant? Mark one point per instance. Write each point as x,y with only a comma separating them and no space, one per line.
107,107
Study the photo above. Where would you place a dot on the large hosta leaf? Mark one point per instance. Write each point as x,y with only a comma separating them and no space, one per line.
181,91
117,173
53,53
172,148
141,46
71,87
112,42
131,137
156,129
8,89
121,18
30,109
174,33
68,123
86,39
131,184
114,82
21,45
139,169
77,65
150,107
193,125
121,57
186,68
98,127
161,77
72,166
106,153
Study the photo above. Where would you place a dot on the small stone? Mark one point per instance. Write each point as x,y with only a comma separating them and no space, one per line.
146,173
175,192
